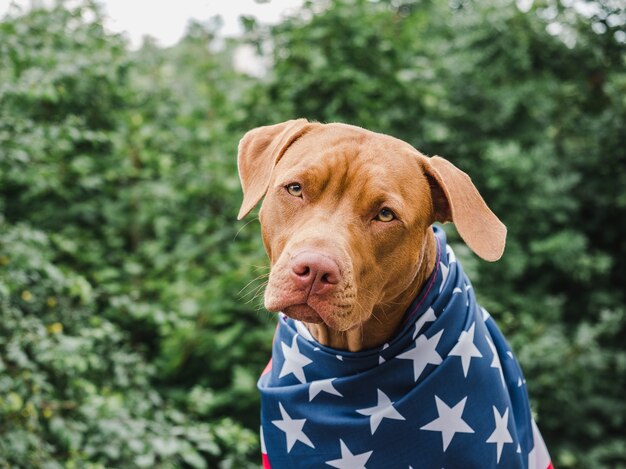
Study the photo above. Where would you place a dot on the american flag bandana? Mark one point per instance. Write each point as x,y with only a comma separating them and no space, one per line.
444,392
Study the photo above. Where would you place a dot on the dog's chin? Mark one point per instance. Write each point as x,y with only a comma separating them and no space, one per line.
303,312
306,313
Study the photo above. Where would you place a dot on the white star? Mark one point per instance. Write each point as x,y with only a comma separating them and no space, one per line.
304,331
292,428
449,421
466,349
495,363
423,353
486,314
381,360
444,275
428,316
501,434
349,460
325,385
450,253
294,361
384,409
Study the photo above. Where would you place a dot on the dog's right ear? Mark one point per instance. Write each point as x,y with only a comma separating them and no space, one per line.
259,151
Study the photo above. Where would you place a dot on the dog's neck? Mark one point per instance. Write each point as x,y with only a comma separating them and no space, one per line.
385,318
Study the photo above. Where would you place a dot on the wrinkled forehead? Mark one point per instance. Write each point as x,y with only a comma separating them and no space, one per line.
354,157
344,161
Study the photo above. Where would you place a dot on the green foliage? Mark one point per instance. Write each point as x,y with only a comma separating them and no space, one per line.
74,390
117,258
129,332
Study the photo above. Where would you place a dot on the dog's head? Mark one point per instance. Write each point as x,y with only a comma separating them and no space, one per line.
347,215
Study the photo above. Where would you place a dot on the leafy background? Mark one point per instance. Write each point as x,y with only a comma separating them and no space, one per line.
131,333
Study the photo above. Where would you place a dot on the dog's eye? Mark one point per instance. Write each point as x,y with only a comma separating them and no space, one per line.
385,215
294,189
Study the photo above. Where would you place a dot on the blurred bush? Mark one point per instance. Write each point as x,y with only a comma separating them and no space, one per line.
119,285
130,335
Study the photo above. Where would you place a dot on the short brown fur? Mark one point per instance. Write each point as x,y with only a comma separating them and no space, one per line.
347,175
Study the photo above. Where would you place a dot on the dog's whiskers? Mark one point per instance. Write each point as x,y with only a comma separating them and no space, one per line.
257,278
257,293
243,226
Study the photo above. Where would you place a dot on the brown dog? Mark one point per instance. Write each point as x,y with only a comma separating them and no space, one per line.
382,328
346,222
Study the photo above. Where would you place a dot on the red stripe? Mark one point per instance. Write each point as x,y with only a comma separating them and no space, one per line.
550,466
266,461
268,367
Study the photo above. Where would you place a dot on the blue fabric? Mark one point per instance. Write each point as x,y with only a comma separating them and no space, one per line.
399,406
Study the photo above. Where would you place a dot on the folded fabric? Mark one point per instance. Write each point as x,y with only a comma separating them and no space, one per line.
444,392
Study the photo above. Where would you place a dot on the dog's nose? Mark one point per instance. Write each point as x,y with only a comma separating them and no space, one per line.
314,271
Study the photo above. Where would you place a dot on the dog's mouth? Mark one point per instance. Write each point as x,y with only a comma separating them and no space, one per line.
303,312
307,313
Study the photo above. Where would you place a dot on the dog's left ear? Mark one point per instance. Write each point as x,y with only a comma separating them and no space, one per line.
456,199
259,151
